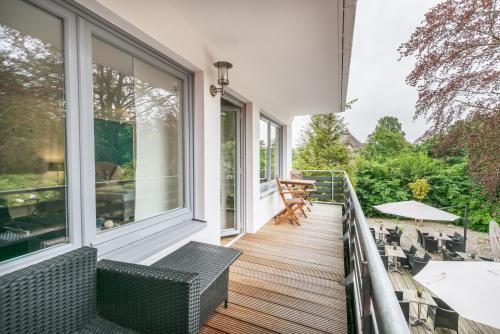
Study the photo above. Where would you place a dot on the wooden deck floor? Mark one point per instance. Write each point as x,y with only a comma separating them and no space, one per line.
288,279
405,281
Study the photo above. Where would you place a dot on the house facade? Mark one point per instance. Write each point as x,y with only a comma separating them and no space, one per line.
110,134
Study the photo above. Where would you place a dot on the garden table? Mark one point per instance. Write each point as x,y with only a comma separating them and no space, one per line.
394,254
424,299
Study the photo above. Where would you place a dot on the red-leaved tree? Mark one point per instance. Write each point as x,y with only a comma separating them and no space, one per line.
457,77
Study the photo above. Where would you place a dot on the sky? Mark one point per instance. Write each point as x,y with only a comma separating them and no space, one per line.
377,78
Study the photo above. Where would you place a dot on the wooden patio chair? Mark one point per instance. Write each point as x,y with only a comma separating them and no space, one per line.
293,202
296,174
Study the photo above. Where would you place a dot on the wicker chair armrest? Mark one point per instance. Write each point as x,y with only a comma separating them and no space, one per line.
148,299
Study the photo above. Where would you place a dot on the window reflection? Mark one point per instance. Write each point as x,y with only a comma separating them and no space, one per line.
32,130
264,145
138,138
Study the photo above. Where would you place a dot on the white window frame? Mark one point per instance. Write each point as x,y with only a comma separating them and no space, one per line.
132,232
79,26
269,187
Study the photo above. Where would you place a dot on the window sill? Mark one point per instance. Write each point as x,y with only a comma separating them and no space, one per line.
148,246
267,189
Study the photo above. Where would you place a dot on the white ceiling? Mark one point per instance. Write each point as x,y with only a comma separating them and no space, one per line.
286,53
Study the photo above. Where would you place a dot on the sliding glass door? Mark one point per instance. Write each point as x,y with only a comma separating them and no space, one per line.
231,168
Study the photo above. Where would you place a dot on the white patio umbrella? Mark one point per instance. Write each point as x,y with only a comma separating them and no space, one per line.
471,288
416,210
495,240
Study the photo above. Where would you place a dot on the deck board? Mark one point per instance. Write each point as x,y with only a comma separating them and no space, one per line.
288,279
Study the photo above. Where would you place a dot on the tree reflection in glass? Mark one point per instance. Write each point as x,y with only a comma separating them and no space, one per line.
138,138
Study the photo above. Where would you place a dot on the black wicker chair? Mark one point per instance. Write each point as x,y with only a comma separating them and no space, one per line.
412,251
372,231
405,307
65,294
449,256
455,245
54,296
443,315
186,286
431,244
385,261
394,238
420,237
393,230
405,262
417,263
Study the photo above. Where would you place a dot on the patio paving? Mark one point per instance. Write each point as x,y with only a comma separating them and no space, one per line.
288,279
405,281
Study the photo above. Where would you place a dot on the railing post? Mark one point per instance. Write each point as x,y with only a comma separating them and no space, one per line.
366,297
333,188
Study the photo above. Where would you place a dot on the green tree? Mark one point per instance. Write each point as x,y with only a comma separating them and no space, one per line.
386,141
321,147
390,123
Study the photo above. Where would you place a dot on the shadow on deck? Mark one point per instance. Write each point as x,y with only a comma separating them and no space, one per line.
288,279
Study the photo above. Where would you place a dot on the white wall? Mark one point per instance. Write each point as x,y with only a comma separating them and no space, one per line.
161,26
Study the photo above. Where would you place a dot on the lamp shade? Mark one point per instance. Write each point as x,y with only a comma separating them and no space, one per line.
223,72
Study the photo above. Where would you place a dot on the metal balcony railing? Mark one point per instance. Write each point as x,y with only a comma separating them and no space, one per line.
374,306
329,185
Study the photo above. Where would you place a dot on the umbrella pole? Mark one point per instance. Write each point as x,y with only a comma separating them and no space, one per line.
466,220
465,226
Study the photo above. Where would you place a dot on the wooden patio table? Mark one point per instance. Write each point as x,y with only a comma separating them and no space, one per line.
299,182
424,299
302,184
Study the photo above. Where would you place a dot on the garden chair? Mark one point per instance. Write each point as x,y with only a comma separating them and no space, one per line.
443,315
456,244
385,261
417,263
394,238
405,262
293,202
372,231
393,230
449,256
431,244
405,307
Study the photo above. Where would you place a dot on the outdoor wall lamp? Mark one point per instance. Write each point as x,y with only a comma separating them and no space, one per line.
222,77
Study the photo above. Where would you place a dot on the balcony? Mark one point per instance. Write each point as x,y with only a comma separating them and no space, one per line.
288,280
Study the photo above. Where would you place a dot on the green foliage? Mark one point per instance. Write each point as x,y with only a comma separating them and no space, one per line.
381,180
321,147
388,167
28,180
420,189
390,123
386,141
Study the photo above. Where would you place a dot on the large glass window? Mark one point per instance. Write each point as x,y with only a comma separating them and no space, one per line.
33,185
264,150
270,151
138,138
127,102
